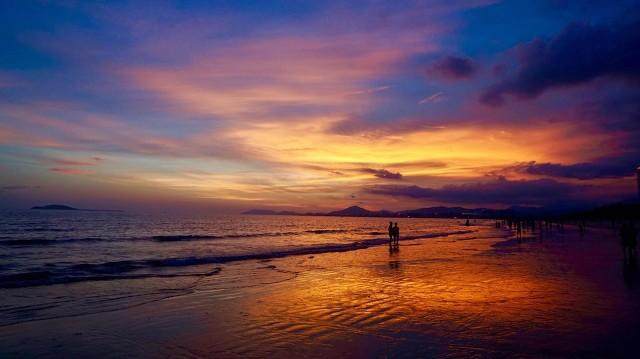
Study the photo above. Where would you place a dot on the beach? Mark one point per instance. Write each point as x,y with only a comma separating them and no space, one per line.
477,294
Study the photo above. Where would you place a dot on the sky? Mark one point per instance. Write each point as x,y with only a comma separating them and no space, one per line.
311,105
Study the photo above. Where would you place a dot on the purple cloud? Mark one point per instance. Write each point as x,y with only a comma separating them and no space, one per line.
602,168
498,191
454,68
382,173
580,53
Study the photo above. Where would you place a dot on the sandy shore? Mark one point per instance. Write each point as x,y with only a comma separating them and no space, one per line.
481,294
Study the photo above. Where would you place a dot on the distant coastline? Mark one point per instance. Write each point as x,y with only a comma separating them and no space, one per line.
64,207
56,207
429,212
621,210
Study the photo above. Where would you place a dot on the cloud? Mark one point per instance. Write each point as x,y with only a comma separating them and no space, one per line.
436,97
358,125
454,68
369,90
294,74
382,173
498,191
93,161
610,167
580,53
617,112
41,124
71,171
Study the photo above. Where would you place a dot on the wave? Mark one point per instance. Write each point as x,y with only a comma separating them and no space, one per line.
170,238
122,269
45,229
185,237
323,231
44,241
41,278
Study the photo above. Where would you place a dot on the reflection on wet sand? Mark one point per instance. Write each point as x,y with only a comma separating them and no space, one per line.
483,303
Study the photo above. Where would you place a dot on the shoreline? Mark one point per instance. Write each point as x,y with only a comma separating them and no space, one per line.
101,271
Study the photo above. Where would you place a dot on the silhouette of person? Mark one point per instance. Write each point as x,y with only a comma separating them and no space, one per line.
396,232
391,236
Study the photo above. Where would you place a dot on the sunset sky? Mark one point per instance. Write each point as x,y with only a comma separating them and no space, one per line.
313,105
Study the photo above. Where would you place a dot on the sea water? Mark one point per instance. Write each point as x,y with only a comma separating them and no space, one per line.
106,253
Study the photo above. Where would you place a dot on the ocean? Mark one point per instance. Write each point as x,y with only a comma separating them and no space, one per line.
108,253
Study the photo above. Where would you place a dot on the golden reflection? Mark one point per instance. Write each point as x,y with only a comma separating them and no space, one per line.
384,289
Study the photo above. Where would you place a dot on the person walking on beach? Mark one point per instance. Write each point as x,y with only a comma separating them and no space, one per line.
391,236
396,233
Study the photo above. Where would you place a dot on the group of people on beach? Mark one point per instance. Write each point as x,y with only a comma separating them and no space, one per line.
394,233
520,226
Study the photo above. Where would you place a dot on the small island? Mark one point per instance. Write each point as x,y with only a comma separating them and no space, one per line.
64,207
59,207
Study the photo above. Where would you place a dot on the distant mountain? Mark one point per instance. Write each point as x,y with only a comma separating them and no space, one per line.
60,207
357,211
353,211
444,212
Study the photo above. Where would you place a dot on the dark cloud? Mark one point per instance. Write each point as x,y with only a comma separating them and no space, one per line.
580,53
618,112
382,173
496,191
603,168
454,68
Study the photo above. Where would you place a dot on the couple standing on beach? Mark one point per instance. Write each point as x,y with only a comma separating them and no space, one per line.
394,233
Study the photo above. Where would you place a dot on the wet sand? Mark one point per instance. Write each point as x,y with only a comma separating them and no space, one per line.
482,294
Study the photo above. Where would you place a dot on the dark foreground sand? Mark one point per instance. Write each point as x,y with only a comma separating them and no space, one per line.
473,295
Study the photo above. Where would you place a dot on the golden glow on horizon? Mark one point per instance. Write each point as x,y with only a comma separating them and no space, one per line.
312,161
